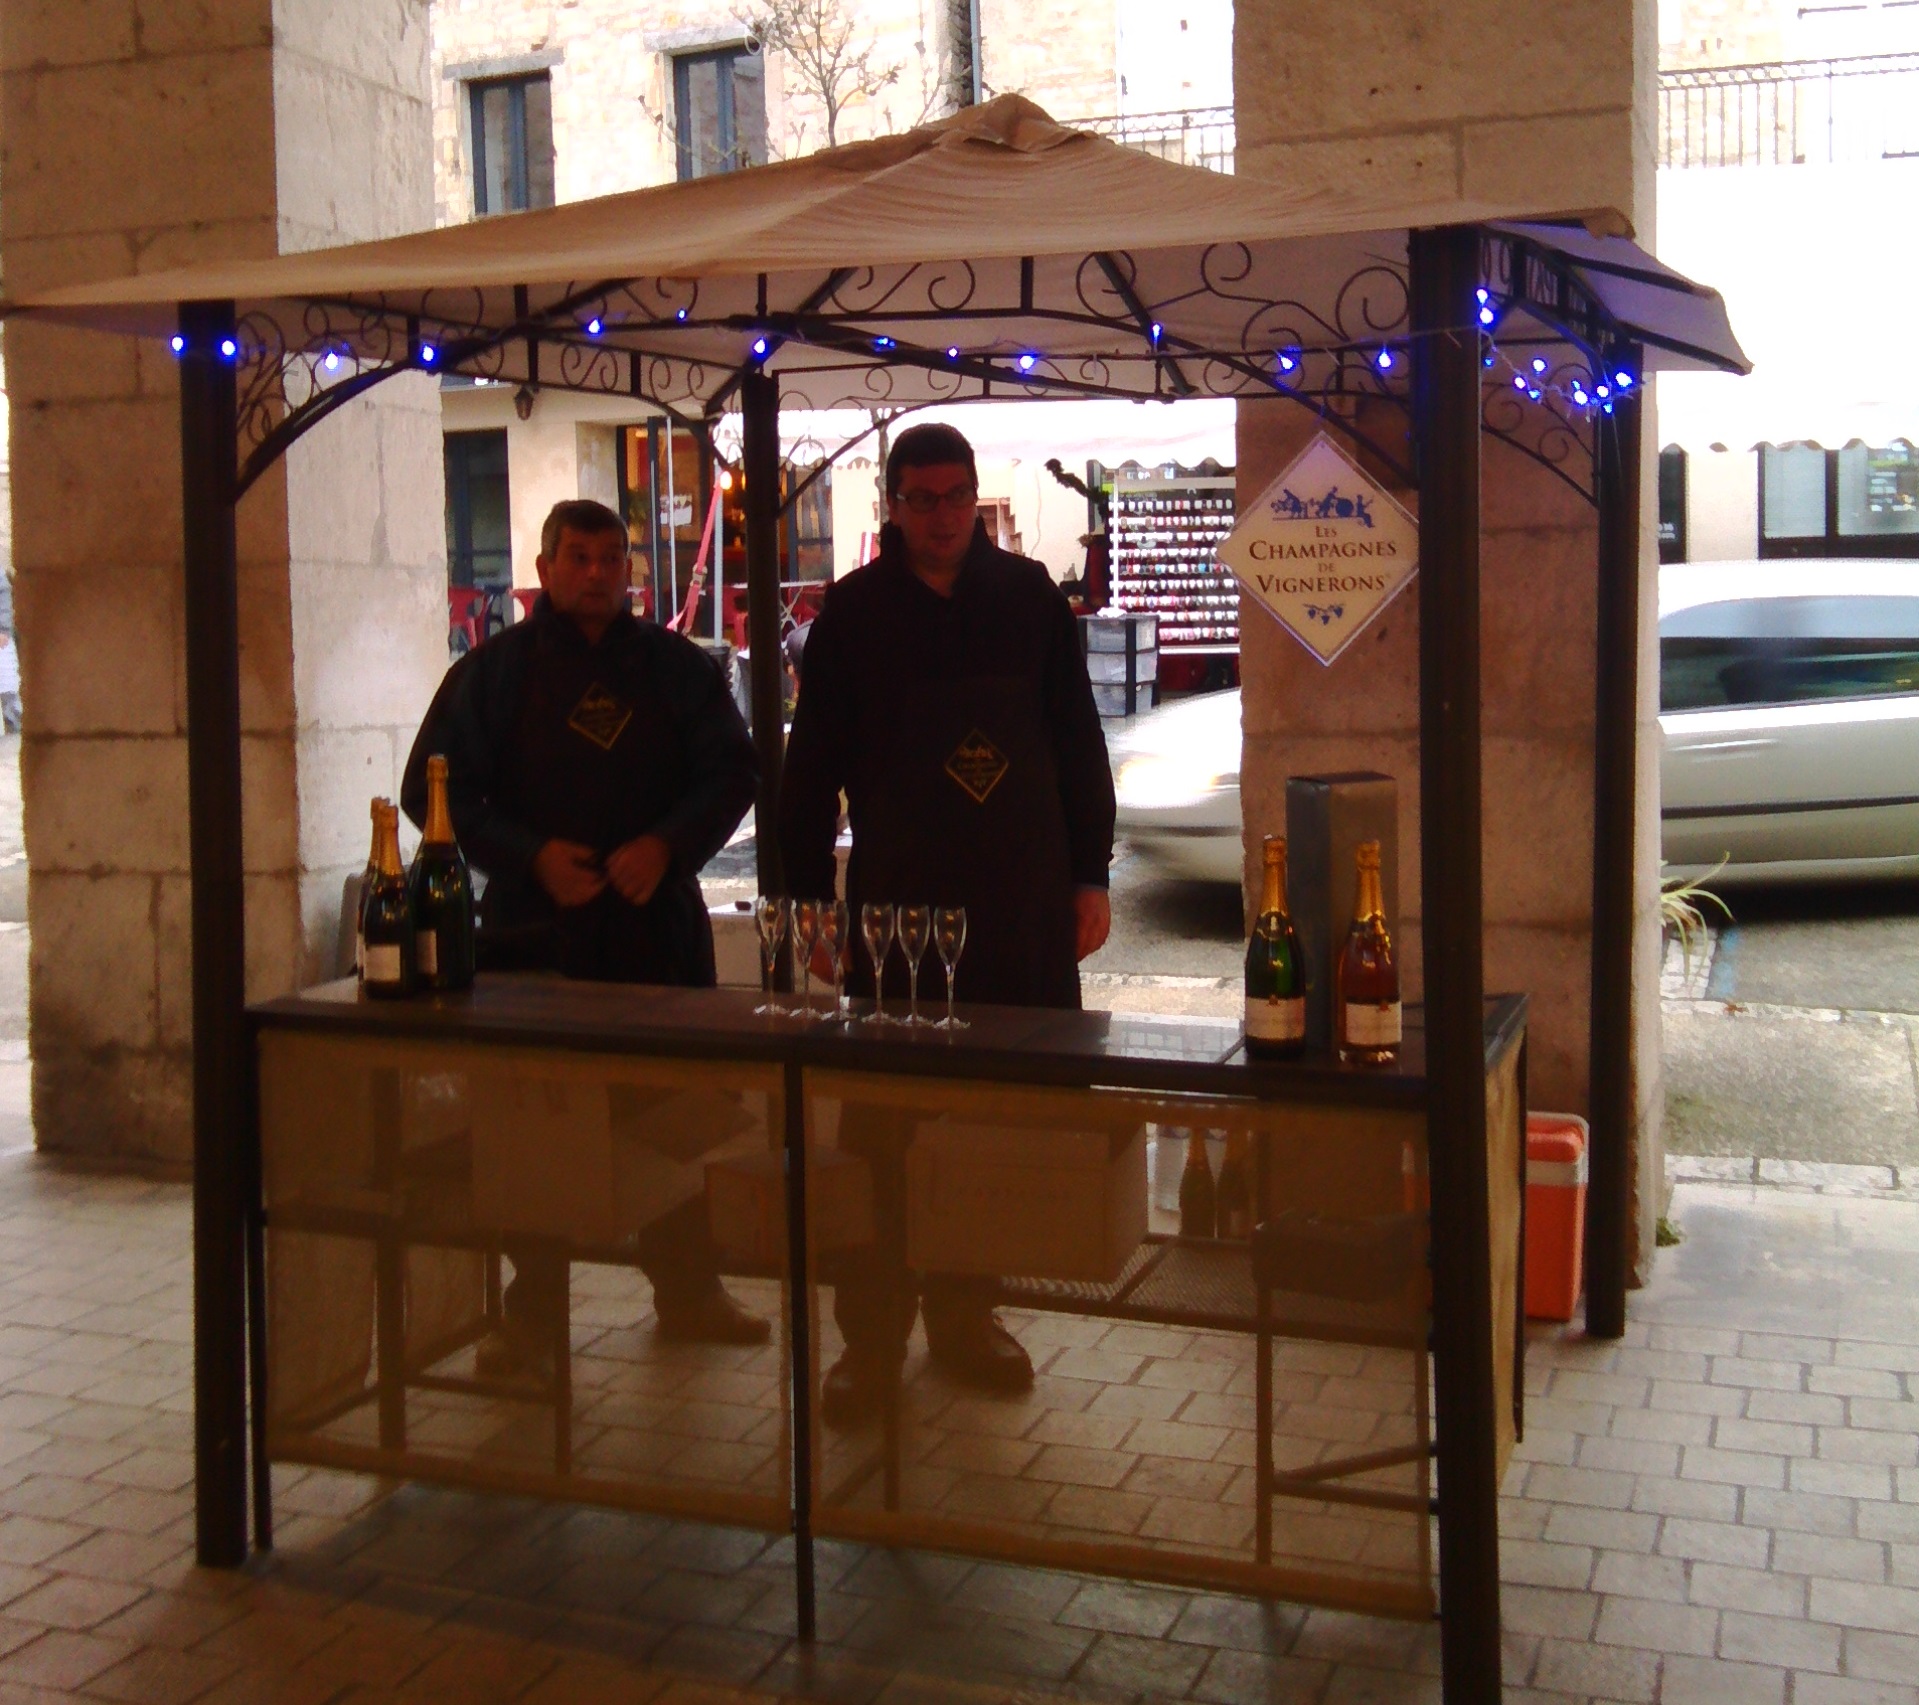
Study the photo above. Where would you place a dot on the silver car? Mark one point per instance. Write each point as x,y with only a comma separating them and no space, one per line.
1789,709
1789,701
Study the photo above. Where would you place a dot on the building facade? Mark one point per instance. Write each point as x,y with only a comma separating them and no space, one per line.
1788,147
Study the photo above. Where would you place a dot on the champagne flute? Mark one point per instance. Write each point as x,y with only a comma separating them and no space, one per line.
806,931
876,924
769,911
833,933
915,921
949,936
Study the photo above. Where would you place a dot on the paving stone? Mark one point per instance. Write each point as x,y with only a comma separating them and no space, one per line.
1717,1542
1760,1591
1658,1627
1855,1604
1241,1678
1635,1575
1120,1608
1781,1641
1705,1681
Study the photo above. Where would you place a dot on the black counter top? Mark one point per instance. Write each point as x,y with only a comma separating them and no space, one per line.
1034,1045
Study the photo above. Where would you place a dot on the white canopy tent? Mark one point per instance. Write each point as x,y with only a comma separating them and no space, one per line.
993,255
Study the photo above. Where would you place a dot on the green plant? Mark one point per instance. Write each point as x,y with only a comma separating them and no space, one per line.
1680,907
1666,1234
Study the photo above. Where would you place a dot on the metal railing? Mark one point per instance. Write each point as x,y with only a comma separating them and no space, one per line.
1794,113
1195,136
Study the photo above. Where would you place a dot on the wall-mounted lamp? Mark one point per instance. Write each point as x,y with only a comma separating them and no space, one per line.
523,402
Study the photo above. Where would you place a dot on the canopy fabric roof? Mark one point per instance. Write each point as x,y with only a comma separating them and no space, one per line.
994,253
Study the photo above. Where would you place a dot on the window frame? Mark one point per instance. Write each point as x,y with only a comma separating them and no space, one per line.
1832,543
727,108
519,162
1673,456
462,557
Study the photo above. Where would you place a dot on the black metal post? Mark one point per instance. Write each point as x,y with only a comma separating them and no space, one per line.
1615,798
799,1281
208,451
1446,380
760,461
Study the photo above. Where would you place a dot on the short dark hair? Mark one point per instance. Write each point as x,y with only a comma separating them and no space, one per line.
932,444
583,516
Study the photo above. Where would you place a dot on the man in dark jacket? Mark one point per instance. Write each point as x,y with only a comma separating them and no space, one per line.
944,691
595,763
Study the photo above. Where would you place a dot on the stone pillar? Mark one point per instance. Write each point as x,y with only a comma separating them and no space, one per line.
141,135
1499,102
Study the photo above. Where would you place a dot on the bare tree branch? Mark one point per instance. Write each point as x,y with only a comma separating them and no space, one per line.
825,51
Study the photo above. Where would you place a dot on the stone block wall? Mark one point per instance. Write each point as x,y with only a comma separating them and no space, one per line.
610,62
141,135
1550,109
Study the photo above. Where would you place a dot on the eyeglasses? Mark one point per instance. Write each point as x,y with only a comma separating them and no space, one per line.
960,499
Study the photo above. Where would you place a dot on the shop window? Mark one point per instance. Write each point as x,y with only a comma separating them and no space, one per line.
719,105
479,543
512,143
1776,651
1672,505
1855,502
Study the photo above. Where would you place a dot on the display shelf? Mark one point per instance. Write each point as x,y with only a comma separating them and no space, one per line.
1168,523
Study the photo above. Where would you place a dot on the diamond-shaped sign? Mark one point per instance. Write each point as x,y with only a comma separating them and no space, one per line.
1324,549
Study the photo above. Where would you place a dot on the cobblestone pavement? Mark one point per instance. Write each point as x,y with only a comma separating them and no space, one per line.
1725,1506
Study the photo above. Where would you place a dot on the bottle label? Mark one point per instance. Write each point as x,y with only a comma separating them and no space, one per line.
426,952
1370,1025
383,963
1276,1020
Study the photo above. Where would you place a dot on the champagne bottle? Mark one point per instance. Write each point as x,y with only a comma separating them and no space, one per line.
1198,1198
1235,1189
389,970
440,894
368,877
1366,985
1275,980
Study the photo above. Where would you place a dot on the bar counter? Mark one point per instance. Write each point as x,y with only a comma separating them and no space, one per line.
1250,1413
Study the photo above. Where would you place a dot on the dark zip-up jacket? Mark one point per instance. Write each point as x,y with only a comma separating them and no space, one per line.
963,732
549,737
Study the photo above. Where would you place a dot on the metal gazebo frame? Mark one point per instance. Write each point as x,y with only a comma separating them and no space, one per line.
1415,345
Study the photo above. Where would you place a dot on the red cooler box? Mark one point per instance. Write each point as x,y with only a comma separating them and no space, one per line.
1555,1214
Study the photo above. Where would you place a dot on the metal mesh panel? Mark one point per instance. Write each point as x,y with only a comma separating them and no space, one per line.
461,1253
1187,1421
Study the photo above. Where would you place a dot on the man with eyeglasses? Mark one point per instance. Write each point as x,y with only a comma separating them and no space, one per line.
944,691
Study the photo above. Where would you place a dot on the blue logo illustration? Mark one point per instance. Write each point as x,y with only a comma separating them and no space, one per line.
1325,614
1289,506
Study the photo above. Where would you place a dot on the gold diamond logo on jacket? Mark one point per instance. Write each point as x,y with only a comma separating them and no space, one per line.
977,765
600,717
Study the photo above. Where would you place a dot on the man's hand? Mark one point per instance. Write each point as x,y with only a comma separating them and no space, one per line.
1093,919
636,869
569,872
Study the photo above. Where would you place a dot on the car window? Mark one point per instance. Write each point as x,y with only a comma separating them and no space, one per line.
1769,651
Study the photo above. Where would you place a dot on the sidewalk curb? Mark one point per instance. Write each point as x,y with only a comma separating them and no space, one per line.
1811,1177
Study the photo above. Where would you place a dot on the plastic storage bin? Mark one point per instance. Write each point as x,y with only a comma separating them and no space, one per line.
1555,1214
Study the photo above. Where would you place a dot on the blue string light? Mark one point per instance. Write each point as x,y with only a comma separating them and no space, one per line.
1028,362
883,343
229,348
1384,360
759,348
177,344
1288,360
332,361
1539,364
680,314
1158,329
428,355
952,352
593,326
1622,379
